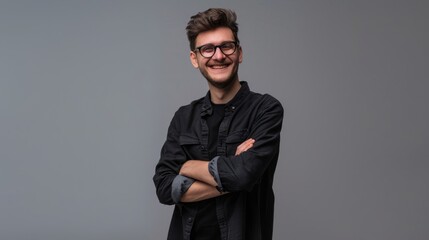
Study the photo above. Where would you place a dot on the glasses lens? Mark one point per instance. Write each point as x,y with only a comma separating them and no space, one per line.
207,51
228,48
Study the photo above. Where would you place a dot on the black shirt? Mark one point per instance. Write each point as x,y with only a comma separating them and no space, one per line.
246,212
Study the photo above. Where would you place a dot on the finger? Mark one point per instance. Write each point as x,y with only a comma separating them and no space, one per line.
247,142
246,145
243,149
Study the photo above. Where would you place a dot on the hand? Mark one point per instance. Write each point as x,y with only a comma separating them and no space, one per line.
246,145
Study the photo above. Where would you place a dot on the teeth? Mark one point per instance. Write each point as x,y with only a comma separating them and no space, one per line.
219,66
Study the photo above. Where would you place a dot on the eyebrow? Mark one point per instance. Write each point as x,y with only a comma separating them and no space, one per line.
207,44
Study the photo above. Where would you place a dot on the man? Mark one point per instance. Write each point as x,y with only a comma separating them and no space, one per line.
217,164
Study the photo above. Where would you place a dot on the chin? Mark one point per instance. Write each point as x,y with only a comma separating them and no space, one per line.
222,83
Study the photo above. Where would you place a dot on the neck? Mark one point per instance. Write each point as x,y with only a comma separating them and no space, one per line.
224,95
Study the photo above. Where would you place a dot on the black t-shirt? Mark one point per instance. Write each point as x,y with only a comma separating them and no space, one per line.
213,122
206,226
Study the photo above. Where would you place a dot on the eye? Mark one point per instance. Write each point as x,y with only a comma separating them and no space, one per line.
227,46
207,49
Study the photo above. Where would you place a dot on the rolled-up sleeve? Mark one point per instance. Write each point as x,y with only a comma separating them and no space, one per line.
171,160
215,173
179,186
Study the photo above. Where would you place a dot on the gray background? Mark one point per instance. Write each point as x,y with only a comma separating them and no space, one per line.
87,90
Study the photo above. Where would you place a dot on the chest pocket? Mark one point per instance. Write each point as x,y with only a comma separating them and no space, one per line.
234,139
191,145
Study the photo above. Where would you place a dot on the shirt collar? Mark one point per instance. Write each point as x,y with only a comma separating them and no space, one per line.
207,109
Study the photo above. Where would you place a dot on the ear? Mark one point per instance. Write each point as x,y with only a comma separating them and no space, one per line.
193,58
240,54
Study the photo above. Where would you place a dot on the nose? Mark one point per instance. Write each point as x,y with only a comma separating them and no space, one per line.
218,53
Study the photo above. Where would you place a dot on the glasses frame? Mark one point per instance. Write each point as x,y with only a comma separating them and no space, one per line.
236,45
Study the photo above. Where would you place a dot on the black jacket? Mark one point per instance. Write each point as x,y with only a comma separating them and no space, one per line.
246,212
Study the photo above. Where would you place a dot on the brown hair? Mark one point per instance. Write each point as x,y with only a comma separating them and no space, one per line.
211,19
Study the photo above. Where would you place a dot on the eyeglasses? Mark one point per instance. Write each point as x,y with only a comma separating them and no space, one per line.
209,50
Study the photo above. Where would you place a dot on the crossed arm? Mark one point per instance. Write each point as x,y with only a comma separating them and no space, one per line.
204,186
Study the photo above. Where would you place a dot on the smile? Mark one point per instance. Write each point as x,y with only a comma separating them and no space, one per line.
219,66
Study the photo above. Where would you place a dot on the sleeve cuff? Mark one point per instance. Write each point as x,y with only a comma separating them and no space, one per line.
214,172
179,186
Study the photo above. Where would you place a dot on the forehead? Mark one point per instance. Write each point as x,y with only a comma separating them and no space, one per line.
215,36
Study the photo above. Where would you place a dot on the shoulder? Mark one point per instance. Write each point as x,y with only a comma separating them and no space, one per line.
266,101
189,111
270,99
192,106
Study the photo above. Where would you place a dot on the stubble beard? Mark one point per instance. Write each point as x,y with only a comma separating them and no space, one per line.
222,84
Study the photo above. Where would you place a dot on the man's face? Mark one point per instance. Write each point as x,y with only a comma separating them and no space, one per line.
220,70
